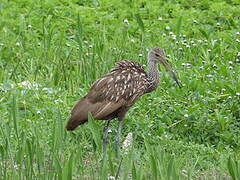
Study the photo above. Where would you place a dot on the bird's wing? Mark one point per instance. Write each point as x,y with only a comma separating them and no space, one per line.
126,82
99,110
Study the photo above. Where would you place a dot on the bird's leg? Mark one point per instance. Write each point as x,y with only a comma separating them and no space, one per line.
118,138
105,138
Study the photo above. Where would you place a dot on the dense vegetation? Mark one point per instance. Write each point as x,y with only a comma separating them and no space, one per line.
50,53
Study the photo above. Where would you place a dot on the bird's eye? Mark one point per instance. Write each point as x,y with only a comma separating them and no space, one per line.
157,55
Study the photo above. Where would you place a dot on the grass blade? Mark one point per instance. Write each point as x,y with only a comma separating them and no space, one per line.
95,131
233,168
14,115
152,159
139,21
134,172
58,169
179,24
68,168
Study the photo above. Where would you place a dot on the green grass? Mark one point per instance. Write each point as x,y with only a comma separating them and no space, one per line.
51,52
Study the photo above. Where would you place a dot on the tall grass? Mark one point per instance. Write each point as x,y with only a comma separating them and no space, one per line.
51,52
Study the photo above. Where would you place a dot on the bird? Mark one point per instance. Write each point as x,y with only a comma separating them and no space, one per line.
111,96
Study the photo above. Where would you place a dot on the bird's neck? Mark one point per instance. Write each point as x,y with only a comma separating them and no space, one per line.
153,75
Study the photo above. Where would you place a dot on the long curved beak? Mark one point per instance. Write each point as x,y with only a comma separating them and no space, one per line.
172,73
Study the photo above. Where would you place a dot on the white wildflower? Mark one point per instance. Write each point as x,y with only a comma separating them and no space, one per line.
109,131
49,90
186,115
127,142
184,171
140,55
125,21
15,167
17,43
58,101
160,18
111,177
209,75
168,28
89,54
184,41
186,64
29,85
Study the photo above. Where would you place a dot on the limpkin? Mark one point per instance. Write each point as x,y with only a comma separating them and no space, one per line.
112,95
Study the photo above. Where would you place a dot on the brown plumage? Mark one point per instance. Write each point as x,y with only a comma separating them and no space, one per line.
112,95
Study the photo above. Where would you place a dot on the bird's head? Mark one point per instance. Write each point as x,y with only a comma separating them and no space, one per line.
158,55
